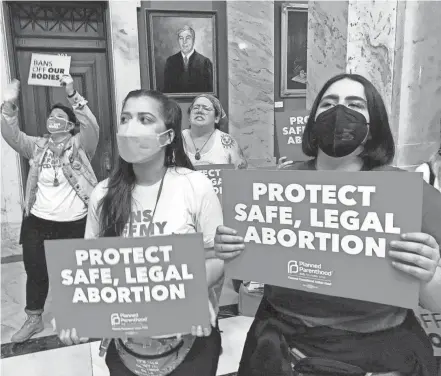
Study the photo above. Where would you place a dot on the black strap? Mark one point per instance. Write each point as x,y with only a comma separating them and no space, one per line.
156,203
326,367
432,175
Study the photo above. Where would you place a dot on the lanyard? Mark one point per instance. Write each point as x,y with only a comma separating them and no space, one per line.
156,203
105,342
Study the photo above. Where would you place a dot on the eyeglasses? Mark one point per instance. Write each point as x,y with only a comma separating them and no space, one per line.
198,107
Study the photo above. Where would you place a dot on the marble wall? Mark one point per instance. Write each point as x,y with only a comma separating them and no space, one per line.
251,76
420,83
396,45
371,43
11,191
327,41
125,49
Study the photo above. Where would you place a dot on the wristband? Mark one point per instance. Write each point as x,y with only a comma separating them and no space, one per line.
72,95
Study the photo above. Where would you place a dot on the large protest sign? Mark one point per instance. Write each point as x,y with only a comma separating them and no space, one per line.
47,70
110,287
213,172
326,232
431,322
289,131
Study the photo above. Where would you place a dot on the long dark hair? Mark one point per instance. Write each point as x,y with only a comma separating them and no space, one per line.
379,150
116,206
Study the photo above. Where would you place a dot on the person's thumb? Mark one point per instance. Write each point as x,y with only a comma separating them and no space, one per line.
54,324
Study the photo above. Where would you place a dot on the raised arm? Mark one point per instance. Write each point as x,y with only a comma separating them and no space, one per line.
89,130
14,137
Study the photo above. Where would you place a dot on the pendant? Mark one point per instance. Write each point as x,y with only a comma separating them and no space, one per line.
197,156
56,182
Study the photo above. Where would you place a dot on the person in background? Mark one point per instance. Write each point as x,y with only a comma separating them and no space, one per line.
155,176
432,170
204,142
348,130
188,71
58,188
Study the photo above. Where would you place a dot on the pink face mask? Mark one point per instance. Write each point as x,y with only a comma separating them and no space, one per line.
141,148
57,124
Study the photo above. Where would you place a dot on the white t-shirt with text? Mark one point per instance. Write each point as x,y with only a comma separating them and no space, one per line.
56,203
187,204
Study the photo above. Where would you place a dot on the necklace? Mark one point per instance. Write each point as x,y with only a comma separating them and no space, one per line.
198,151
54,162
56,181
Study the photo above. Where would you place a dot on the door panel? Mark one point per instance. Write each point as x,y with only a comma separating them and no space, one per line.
90,73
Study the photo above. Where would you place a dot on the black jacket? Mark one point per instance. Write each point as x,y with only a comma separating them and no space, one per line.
198,78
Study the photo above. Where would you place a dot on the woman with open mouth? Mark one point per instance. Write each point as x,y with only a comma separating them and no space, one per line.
59,184
204,142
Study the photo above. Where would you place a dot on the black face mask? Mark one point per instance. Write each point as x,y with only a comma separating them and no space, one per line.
340,130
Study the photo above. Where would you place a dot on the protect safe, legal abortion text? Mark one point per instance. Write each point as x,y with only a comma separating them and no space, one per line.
145,283
320,217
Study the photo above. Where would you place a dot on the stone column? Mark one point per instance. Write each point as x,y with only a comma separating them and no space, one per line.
251,76
125,49
396,45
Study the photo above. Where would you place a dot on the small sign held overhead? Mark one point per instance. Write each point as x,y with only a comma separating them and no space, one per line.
47,70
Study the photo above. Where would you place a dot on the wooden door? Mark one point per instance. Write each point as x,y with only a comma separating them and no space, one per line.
65,31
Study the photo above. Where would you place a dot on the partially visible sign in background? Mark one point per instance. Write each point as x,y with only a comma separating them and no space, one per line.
47,70
212,172
289,128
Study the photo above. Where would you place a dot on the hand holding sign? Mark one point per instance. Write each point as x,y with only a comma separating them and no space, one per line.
200,331
283,163
416,254
67,82
227,244
12,90
69,336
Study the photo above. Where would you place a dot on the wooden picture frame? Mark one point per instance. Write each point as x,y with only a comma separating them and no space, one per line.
294,33
170,70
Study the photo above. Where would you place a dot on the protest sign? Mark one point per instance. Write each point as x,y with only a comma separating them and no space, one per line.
112,287
326,232
431,323
289,131
47,70
213,173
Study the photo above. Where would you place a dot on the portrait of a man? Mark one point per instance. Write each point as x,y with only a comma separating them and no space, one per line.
188,71
182,52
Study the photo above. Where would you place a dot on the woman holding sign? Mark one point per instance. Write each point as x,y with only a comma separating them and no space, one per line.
204,142
59,184
154,190
348,130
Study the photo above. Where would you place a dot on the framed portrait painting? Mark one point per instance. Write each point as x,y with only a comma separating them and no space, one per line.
294,50
182,52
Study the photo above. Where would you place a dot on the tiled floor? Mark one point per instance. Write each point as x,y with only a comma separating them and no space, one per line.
44,355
